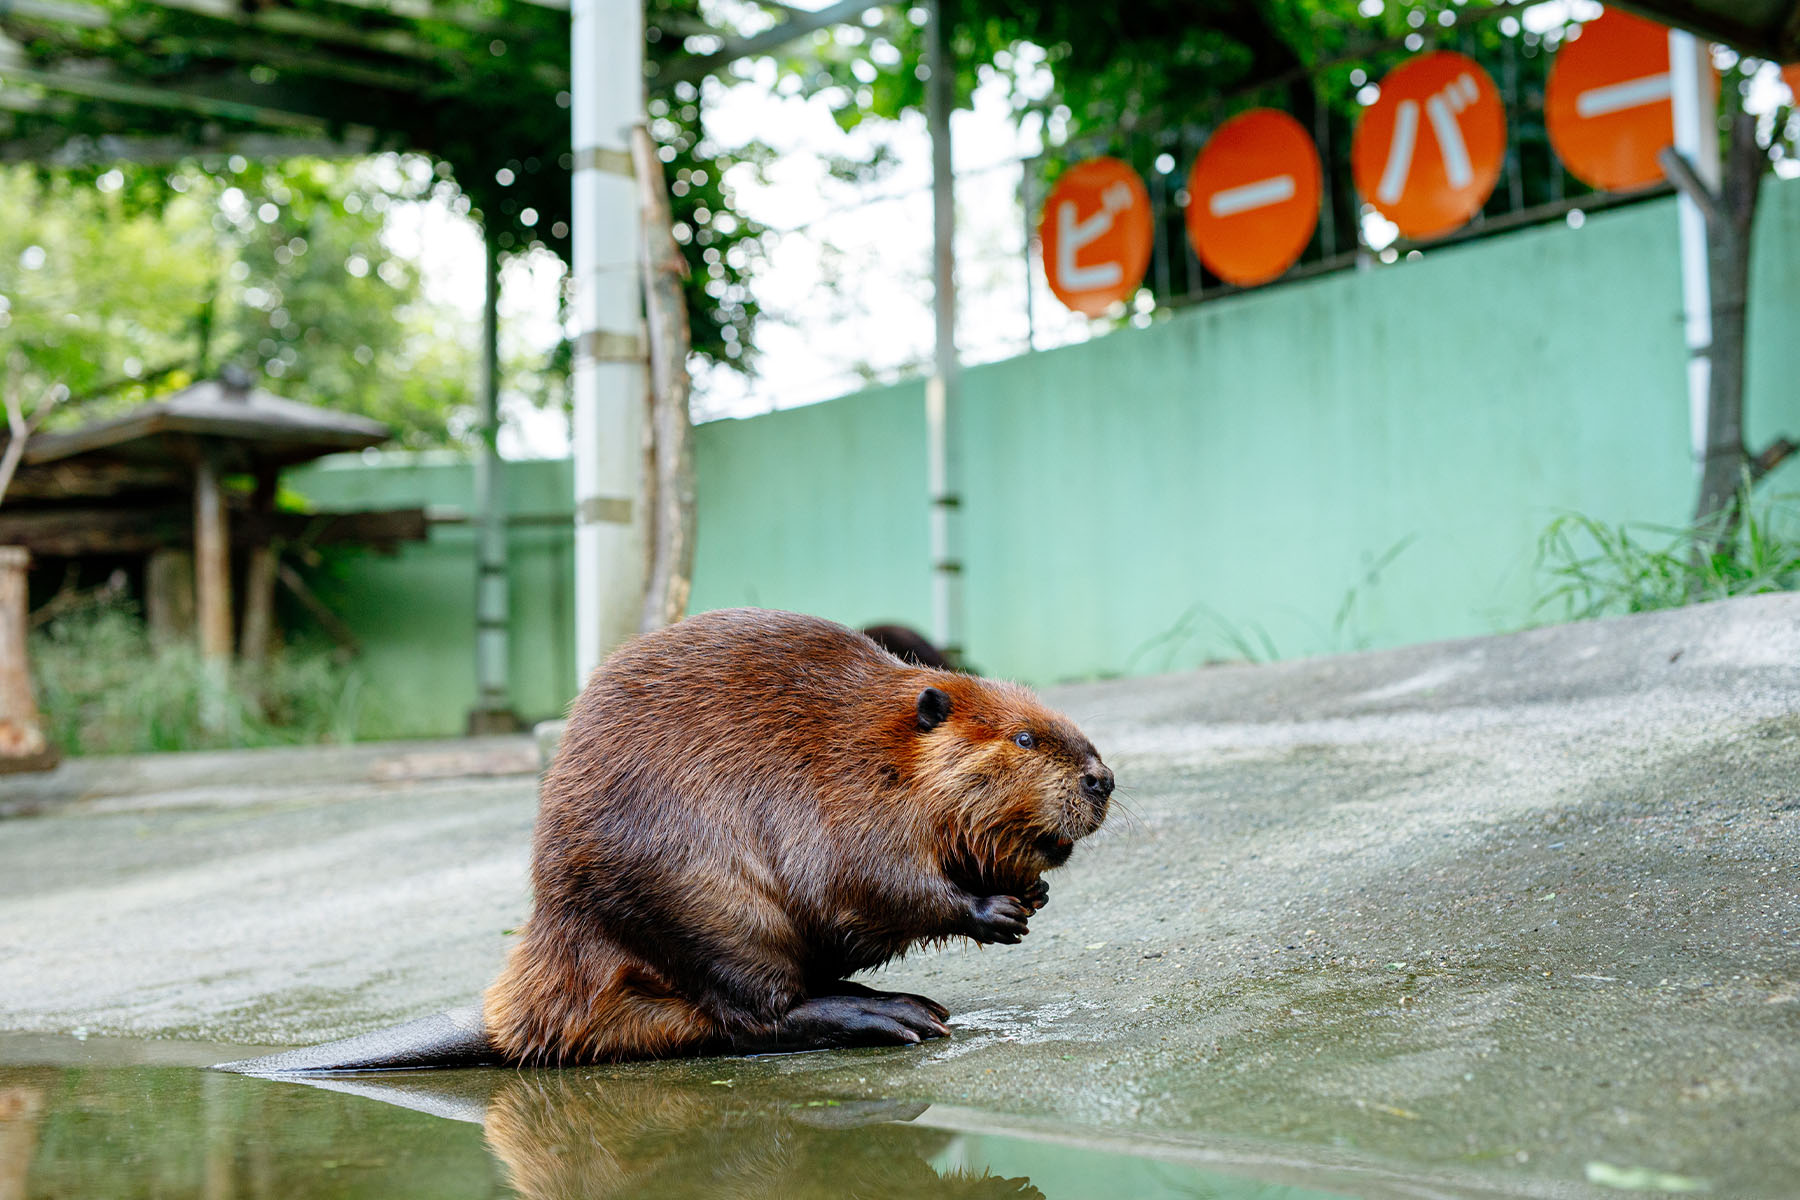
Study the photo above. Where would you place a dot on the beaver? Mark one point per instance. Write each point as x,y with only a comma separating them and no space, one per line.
909,646
748,807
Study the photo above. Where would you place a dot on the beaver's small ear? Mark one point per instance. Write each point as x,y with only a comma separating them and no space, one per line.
934,706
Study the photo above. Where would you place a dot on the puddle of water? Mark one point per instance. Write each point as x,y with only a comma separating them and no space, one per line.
126,1131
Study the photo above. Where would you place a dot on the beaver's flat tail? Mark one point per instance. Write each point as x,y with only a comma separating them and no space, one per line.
457,1038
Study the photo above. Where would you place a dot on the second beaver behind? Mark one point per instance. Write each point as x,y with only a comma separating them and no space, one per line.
750,806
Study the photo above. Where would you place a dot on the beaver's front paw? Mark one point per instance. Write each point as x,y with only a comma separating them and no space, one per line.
998,919
1036,895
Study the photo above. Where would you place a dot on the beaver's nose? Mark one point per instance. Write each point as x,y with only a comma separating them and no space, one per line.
1097,782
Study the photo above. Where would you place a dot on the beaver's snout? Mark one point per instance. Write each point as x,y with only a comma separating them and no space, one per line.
1096,793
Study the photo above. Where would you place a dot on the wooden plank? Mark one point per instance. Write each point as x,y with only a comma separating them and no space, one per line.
91,478
81,532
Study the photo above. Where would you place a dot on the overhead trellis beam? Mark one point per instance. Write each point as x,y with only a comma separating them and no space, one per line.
281,58
292,22
464,16
694,69
258,105
56,150
237,97
14,100
98,87
234,22
87,16
430,10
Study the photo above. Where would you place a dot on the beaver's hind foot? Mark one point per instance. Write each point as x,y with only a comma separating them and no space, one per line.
844,987
834,1022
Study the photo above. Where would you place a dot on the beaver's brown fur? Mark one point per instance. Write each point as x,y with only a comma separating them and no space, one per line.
750,806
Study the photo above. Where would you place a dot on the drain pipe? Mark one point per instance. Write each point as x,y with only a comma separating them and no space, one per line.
492,713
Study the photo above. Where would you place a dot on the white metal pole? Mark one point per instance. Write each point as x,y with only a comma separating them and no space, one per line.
1697,140
942,460
607,69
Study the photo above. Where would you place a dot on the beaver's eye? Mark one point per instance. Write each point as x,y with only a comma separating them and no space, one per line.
1024,740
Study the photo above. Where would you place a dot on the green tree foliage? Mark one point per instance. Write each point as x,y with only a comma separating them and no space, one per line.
1167,62
1145,80
484,91
123,283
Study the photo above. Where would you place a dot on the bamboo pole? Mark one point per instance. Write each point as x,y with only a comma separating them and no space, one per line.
671,514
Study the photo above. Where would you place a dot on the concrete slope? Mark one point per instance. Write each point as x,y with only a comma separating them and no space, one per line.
1503,908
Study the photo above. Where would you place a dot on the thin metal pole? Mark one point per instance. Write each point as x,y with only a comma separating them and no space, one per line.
1159,216
1515,173
492,711
607,81
943,476
1192,273
1025,210
1327,175
1697,140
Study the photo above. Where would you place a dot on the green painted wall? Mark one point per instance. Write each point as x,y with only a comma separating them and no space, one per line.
414,612
1160,497
819,509
1153,499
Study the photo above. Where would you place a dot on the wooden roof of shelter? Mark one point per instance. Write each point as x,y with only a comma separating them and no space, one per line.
246,427
150,479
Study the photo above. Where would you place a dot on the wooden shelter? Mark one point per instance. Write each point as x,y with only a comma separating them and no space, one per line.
151,484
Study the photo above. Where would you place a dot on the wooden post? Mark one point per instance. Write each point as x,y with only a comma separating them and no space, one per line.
23,746
259,604
169,596
212,563
671,467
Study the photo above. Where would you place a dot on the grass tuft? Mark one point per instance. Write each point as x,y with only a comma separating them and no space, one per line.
1596,570
105,688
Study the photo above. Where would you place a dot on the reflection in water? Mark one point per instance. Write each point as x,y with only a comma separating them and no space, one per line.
563,1135
666,1131
19,1109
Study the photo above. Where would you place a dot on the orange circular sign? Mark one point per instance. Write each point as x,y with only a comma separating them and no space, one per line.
1427,153
1791,75
1607,103
1253,197
1095,235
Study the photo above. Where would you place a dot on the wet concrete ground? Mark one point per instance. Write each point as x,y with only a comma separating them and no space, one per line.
1517,915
